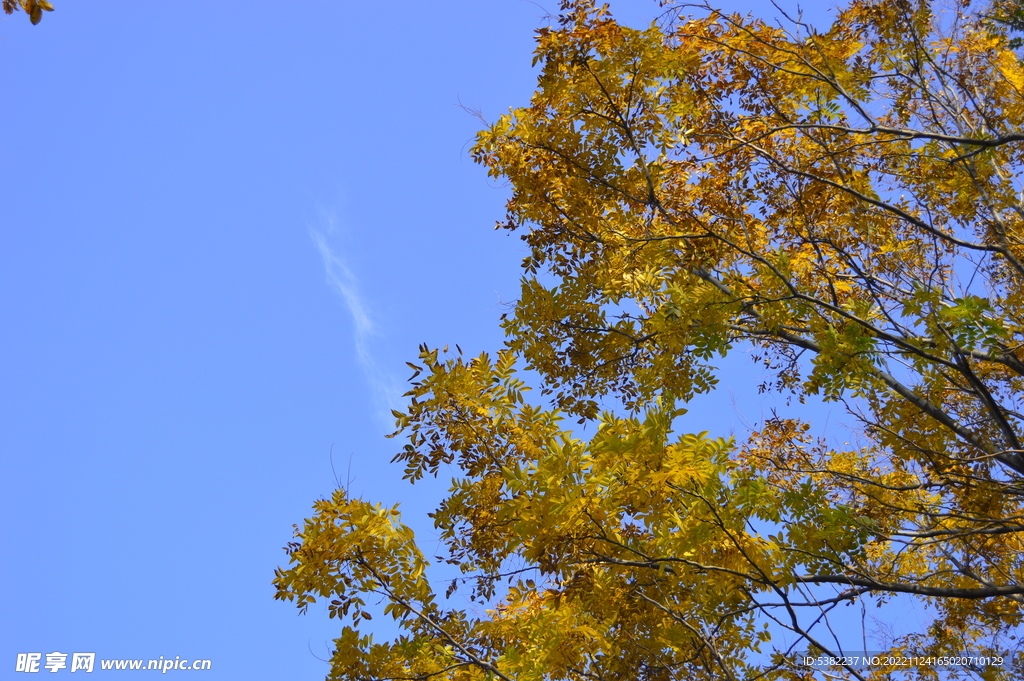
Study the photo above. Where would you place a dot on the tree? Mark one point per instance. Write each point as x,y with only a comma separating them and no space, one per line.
843,205
34,8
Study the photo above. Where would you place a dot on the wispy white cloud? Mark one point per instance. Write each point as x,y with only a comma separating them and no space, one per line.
383,386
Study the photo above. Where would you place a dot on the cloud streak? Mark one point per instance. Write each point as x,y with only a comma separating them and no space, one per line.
384,387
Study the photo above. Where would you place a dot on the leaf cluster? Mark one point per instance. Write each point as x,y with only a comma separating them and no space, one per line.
34,8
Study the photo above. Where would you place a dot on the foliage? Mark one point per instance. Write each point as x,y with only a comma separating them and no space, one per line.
34,8
1009,14
846,207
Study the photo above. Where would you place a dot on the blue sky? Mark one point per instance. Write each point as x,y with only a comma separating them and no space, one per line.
224,228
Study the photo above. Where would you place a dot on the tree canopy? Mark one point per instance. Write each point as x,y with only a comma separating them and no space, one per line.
842,209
